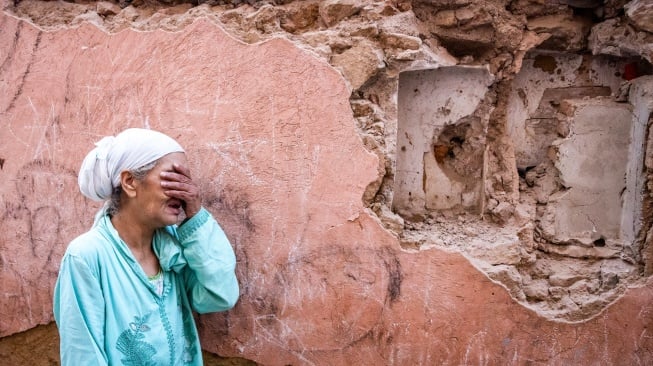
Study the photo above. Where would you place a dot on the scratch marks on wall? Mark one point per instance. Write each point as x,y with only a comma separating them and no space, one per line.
7,60
38,219
19,89
332,277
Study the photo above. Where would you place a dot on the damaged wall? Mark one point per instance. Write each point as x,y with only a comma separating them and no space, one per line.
439,103
455,181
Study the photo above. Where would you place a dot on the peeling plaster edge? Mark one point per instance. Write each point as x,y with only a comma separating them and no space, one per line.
640,284
478,264
195,14
203,15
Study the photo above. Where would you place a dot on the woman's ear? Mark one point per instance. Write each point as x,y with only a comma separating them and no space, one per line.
128,183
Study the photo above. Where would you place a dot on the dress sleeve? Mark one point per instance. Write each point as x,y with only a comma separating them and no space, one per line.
79,313
209,275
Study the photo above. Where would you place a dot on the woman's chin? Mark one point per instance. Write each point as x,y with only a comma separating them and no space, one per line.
171,216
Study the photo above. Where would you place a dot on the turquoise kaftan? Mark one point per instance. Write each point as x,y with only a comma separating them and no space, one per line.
108,312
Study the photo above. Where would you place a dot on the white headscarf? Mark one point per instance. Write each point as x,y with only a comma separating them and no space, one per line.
130,149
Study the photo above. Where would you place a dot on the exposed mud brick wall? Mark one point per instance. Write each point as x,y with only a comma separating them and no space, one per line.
404,182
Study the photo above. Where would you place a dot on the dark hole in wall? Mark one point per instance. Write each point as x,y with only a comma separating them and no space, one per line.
600,242
545,63
522,171
453,151
636,68
461,48
590,10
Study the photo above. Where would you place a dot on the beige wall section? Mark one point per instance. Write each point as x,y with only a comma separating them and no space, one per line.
591,165
547,78
428,102
538,73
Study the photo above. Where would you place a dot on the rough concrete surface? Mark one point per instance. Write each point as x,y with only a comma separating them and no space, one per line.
404,182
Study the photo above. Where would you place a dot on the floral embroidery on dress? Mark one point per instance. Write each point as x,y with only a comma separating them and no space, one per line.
190,345
130,343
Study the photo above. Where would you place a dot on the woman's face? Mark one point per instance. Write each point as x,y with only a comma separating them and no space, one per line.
156,209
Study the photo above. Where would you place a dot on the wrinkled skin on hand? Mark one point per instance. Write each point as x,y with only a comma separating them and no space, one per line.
180,185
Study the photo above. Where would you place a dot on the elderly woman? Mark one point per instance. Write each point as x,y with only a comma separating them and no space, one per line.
126,288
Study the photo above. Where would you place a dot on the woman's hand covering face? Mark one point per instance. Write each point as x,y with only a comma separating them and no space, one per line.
178,184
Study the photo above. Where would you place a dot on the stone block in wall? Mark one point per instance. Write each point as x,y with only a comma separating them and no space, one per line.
504,250
568,33
358,63
333,11
299,16
640,12
614,37
479,30
592,163
401,41
532,8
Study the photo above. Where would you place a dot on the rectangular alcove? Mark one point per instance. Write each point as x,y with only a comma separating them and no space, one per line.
566,125
440,140
591,163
